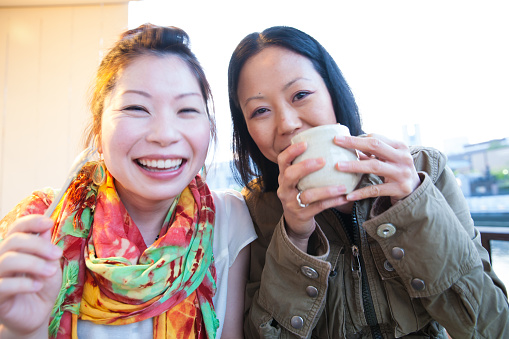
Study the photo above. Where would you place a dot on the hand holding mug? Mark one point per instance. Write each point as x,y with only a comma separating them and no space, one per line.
388,159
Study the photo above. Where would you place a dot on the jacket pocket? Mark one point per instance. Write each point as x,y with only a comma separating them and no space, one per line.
408,314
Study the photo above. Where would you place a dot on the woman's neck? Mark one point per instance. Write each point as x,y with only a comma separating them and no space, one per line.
149,222
149,216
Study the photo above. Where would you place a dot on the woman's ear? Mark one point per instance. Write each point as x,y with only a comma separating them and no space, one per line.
98,144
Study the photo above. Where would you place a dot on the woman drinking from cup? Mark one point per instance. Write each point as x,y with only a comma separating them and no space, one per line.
398,256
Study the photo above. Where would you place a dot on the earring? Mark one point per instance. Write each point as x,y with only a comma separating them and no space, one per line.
203,172
99,174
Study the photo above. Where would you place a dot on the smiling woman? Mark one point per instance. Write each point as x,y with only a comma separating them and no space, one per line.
138,240
140,122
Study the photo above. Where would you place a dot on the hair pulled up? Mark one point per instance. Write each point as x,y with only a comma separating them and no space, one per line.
147,39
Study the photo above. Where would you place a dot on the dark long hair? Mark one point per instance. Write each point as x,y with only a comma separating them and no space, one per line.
249,162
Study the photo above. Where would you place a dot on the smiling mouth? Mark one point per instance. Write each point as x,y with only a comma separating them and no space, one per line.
160,164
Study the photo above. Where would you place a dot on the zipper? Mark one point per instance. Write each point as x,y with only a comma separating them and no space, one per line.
357,270
357,265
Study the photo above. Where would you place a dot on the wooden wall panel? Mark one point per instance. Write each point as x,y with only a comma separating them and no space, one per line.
48,56
4,23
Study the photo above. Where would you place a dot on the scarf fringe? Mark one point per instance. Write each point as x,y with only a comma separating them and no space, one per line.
70,278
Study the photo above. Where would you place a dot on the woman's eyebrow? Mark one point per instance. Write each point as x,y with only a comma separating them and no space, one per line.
145,94
183,95
253,98
285,87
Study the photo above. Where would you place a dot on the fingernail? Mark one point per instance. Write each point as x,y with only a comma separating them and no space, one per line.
341,189
339,138
351,197
340,165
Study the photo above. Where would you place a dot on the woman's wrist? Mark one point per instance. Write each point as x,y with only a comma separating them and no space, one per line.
301,241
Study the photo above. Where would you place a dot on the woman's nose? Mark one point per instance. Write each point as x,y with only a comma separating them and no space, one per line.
163,130
288,121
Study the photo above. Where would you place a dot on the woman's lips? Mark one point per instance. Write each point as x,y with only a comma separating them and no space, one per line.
160,164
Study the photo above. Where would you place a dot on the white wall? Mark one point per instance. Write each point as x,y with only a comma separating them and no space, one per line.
48,56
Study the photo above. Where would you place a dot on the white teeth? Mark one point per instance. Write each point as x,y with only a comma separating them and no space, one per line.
161,163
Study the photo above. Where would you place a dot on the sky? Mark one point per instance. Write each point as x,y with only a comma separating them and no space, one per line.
442,66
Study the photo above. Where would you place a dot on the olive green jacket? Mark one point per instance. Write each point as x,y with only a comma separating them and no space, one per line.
411,270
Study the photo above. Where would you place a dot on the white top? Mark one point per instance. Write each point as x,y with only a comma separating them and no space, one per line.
233,230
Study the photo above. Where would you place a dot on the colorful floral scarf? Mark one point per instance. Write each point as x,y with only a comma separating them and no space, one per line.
111,277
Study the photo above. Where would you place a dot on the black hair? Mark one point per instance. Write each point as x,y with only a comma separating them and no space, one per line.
248,161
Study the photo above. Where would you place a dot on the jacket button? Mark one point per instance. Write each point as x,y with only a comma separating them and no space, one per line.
297,322
398,253
388,266
309,272
312,291
418,284
386,230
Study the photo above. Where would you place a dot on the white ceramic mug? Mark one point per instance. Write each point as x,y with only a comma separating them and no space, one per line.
320,144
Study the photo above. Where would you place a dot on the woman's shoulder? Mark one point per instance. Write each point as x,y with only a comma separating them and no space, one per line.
35,203
265,207
429,160
227,199
231,209
233,228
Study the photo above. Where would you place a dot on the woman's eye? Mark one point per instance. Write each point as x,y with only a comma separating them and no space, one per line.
189,110
258,112
135,108
300,95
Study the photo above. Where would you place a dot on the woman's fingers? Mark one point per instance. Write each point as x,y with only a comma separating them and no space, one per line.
23,272
18,284
294,173
31,235
316,195
285,158
389,159
34,223
315,200
30,274
15,263
373,191
373,145
26,257
321,205
30,244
